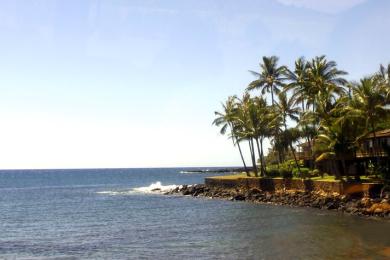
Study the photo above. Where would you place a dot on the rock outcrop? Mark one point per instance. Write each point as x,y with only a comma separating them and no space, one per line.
364,206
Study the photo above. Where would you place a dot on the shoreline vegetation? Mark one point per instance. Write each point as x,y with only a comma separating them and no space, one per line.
318,124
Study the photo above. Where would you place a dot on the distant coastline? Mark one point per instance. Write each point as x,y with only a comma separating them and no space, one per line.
215,170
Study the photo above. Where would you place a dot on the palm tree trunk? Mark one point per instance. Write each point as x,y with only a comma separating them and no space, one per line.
239,149
260,157
375,144
295,159
242,158
311,164
292,150
280,155
252,149
336,169
344,166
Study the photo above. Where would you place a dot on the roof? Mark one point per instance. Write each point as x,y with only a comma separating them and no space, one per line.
382,133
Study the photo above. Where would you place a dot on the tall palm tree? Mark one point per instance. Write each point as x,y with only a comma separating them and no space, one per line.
383,76
263,119
285,109
384,73
226,119
330,146
246,121
368,104
270,77
326,83
299,84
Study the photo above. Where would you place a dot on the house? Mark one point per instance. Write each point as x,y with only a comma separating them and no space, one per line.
375,145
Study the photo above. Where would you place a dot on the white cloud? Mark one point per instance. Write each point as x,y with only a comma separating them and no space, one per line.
327,6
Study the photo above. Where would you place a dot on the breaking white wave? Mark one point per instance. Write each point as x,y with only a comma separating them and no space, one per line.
156,187
113,193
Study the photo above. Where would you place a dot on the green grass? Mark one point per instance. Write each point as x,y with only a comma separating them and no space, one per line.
231,177
325,178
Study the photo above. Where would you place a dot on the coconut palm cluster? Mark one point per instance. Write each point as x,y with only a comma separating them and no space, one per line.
311,104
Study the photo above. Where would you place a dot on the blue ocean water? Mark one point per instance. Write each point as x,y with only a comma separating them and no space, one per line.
98,214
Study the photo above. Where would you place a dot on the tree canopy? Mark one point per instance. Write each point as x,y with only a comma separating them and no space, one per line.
310,105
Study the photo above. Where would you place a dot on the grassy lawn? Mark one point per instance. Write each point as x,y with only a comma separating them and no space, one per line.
325,178
231,177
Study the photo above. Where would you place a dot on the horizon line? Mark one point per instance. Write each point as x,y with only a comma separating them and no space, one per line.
116,168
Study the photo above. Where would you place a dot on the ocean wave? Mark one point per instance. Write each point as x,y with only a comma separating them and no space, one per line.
156,187
197,172
113,193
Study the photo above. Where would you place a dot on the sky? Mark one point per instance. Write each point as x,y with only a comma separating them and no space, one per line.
91,84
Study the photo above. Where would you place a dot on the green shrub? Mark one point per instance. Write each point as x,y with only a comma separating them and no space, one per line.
316,173
304,171
285,173
272,172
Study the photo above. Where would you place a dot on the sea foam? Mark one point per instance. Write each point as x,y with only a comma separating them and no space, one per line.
113,193
156,187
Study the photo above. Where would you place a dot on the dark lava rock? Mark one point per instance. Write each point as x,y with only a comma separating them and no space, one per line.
344,203
351,210
268,196
331,205
186,192
239,197
316,203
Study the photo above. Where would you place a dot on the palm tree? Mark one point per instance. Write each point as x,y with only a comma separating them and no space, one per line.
276,127
285,109
246,121
383,76
326,83
299,84
368,104
328,144
226,119
270,77
263,119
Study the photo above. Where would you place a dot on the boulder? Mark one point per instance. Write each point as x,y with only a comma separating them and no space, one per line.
378,211
186,192
268,196
351,210
239,197
331,205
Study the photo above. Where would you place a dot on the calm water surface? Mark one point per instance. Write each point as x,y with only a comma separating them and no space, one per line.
96,214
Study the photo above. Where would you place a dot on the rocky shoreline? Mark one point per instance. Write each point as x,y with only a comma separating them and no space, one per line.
361,206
